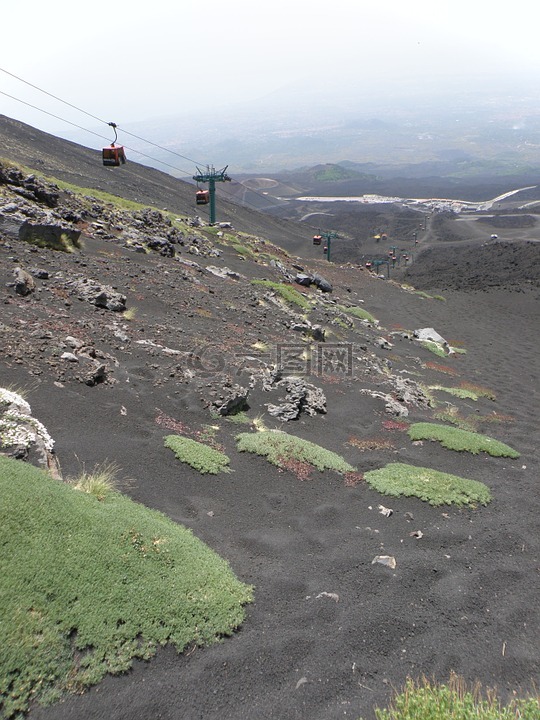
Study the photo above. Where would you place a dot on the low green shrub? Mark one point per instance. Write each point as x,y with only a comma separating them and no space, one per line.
434,347
432,486
479,390
459,392
439,350
454,438
244,250
88,586
197,455
288,293
47,237
359,313
239,418
279,448
105,197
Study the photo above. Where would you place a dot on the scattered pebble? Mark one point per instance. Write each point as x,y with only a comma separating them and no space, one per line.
387,560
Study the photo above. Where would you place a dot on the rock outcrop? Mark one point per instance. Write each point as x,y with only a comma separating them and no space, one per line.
24,437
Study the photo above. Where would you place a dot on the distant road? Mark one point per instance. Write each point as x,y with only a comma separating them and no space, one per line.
305,217
490,203
427,203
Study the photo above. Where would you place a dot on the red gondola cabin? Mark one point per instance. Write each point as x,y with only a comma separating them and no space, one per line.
203,197
113,155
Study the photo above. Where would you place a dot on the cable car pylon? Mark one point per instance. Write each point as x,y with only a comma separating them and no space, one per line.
211,176
328,236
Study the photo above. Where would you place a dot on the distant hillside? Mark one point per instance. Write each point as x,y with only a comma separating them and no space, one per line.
462,179
330,173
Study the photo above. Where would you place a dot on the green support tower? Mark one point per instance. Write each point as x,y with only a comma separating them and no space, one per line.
211,176
329,236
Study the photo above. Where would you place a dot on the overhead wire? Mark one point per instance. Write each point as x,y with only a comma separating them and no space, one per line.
57,117
95,117
92,132
149,157
126,132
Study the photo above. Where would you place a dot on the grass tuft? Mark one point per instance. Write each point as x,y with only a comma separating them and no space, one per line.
456,439
440,368
460,392
197,455
130,314
100,483
423,294
432,486
425,700
439,350
243,250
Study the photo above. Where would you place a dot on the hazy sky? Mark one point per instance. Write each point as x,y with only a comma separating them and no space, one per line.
127,61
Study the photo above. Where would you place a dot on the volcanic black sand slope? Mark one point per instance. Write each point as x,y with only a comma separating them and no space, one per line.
155,325
82,167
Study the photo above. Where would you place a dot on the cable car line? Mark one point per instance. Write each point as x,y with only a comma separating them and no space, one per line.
106,151
149,142
138,152
94,117
51,95
57,117
126,132
103,137
92,132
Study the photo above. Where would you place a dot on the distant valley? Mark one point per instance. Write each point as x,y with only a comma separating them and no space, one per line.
465,129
